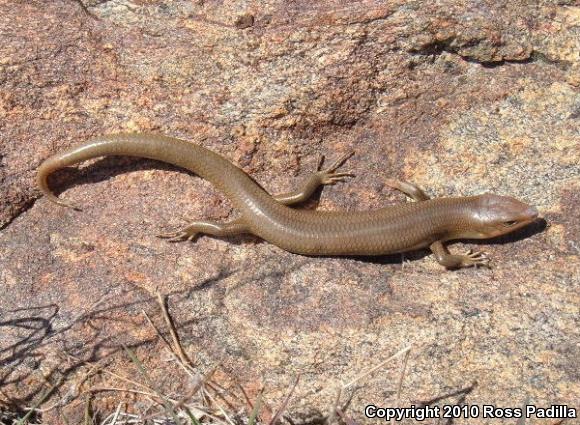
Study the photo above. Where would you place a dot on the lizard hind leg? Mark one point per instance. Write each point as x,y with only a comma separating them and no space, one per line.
213,228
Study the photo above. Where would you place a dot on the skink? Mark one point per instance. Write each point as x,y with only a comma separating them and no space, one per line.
393,229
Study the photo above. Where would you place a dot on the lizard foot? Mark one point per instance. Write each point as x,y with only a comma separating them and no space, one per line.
475,258
329,176
187,233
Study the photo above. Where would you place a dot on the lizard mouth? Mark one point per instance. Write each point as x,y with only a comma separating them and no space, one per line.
532,213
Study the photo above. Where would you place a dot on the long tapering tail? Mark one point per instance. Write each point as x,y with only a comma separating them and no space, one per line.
201,161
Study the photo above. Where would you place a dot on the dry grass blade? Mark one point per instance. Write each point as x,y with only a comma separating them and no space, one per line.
285,403
166,403
368,372
191,417
256,408
220,408
334,409
116,414
108,372
198,385
402,378
177,344
187,368
220,392
157,331
41,400
126,390
346,419
88,416
246,395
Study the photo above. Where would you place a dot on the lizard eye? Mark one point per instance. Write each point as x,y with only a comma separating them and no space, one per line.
509,223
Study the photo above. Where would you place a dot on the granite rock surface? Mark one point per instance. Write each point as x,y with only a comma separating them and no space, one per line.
461,97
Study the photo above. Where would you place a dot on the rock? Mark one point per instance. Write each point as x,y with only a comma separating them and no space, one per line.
244,21
461,98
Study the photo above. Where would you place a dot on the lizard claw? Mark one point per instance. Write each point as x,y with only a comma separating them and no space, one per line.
332,178
476,258
329,176
184,234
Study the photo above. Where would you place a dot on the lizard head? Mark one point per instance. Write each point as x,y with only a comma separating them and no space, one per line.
496,215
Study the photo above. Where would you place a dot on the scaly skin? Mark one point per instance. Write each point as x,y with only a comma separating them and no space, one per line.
399,228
